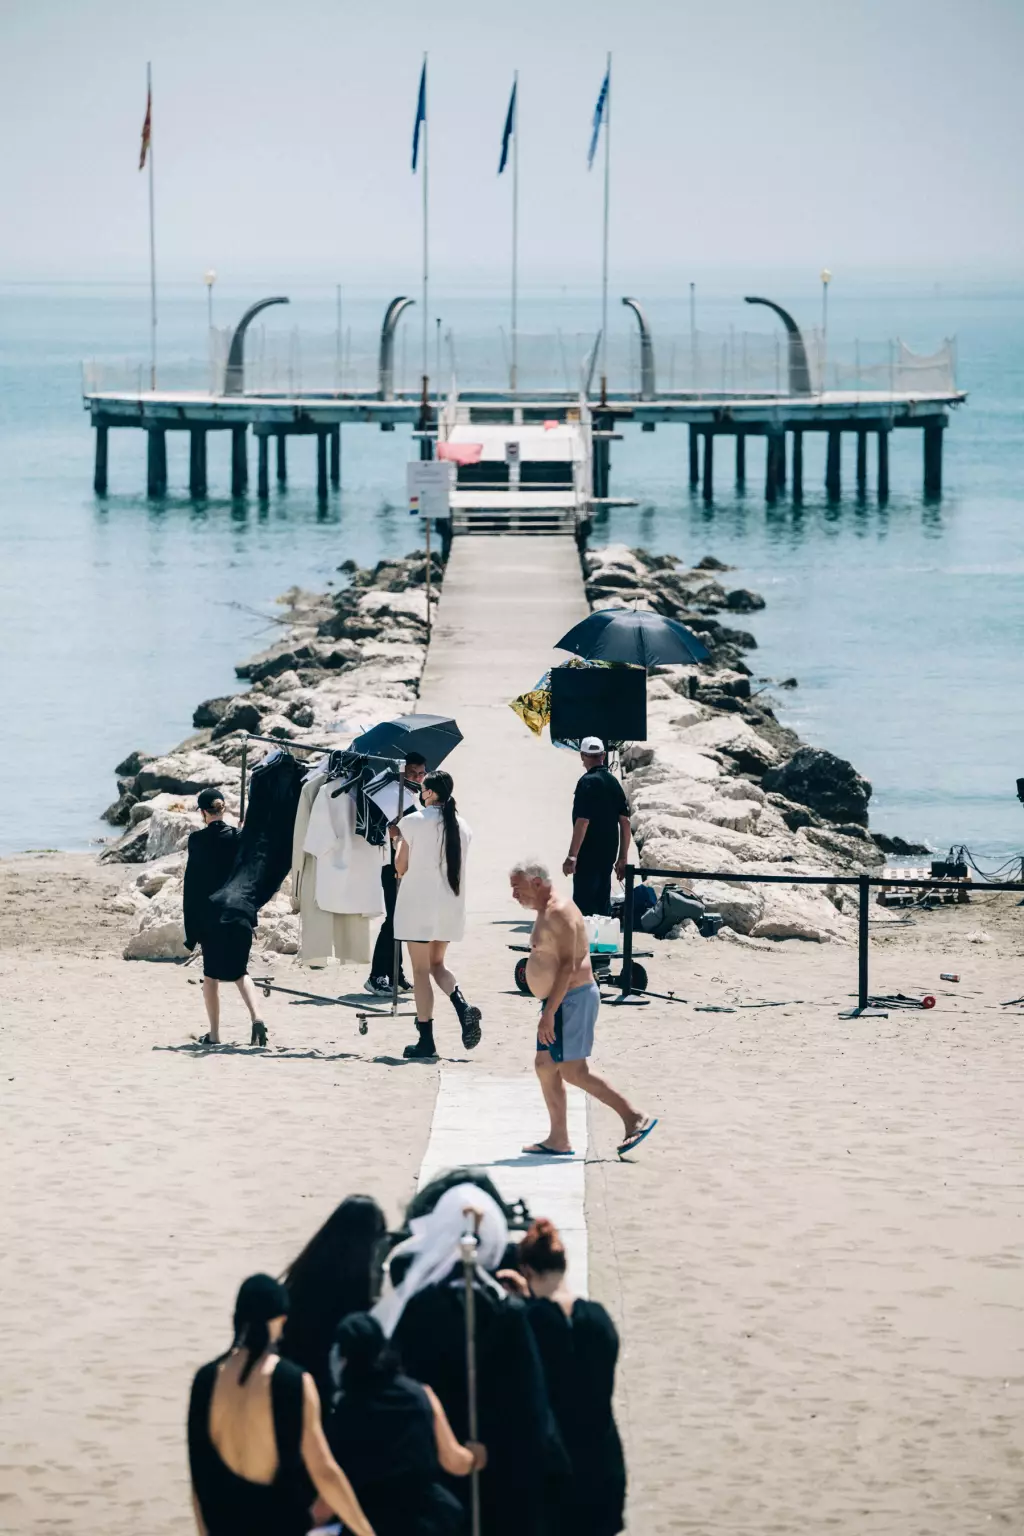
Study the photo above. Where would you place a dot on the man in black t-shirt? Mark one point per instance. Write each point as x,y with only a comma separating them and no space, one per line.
600,832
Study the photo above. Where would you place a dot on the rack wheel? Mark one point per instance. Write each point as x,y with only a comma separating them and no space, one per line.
364,1027
639,977
520,975
266,991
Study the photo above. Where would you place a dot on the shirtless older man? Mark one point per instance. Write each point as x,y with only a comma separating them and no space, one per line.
559,973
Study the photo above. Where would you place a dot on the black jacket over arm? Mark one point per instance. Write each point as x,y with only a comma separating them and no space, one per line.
211,856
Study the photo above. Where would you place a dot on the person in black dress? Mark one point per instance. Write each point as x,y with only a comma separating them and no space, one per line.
255,1439
392,1437
600,832
579,1348
425,1315
335,1274
225,946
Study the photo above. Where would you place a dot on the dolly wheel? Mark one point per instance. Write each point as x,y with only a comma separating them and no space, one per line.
520,975
364,1028
266,991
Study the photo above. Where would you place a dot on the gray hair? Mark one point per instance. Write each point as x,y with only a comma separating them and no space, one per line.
530,869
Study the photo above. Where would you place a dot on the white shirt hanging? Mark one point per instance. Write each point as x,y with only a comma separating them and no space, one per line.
348,868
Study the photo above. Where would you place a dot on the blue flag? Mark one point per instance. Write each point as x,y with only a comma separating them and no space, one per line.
510,128
599,111
421,114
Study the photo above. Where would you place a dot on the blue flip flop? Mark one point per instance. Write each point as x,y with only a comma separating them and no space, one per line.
632,1142
540,1150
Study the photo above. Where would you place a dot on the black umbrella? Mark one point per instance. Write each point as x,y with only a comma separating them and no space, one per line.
645,639
432,736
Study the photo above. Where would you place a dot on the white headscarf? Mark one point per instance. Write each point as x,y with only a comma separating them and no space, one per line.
434,1247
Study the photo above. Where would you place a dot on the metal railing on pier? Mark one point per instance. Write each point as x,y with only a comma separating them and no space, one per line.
293,361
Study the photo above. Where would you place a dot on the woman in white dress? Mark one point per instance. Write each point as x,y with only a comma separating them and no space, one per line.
430,912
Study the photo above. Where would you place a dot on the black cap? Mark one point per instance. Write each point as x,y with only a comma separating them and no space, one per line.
208,798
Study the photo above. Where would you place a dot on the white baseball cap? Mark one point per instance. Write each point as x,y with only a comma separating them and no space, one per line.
592,745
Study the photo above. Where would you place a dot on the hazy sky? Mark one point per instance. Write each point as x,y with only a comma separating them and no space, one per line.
878,133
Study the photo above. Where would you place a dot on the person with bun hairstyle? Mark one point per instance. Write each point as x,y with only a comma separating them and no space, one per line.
578,1346
393,1438
255,1439
225,946
430,912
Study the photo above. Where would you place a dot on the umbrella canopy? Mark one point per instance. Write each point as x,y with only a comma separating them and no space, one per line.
644,639
432,736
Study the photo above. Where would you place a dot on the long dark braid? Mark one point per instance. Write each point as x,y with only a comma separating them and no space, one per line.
441,784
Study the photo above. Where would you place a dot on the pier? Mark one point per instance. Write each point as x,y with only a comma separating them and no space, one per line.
740,402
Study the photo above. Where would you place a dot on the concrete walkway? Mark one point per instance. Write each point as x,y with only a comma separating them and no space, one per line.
505,599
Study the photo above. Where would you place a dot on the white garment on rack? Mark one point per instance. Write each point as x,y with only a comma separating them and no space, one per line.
427,908
323,934
348,868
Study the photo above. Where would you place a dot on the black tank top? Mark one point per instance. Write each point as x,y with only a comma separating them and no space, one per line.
231,1504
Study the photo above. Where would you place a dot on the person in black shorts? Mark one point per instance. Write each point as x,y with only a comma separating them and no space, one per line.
600,832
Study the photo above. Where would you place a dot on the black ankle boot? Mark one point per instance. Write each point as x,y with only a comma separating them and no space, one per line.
424,1049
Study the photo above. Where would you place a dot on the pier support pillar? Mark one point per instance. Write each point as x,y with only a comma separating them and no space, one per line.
239,462
933,458
798,464
780,461
694,456
833,474
99,479
197,461
862,460
282,459
771,467
883,463
741,460
709,466
263,466
601,467
321,463
335,456
156,461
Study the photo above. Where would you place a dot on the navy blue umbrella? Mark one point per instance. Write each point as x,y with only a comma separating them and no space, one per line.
643,639
432,736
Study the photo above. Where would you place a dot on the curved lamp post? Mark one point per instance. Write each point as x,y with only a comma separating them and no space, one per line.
647,386
386,365
799,372
234,372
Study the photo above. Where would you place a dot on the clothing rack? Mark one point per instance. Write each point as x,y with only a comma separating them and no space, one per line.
286,745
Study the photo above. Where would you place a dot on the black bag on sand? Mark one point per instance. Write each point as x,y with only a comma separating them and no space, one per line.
674,906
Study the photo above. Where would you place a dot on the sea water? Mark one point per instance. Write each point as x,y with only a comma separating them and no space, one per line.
118,614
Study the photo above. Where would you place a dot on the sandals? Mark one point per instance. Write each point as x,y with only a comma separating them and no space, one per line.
632,1141
259,1033
207,1040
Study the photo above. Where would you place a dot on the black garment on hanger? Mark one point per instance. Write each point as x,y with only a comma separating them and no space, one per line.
356,773
264,856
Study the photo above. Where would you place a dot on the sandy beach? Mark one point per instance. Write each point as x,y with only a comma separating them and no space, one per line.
815,1262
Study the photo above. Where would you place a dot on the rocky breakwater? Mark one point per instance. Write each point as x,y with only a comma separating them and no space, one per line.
343,661
720,784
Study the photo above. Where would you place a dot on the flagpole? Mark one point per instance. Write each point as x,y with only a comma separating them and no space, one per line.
426,161
604,265
152,238
515,234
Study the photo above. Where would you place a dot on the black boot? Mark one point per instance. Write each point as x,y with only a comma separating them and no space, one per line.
469,1018
424,1049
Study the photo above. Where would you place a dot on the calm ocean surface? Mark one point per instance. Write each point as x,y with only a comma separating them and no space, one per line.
903,624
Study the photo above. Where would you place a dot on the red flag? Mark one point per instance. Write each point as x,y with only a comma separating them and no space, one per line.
146,129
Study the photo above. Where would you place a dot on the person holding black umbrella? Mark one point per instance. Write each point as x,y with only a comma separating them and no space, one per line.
601,832
379,979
